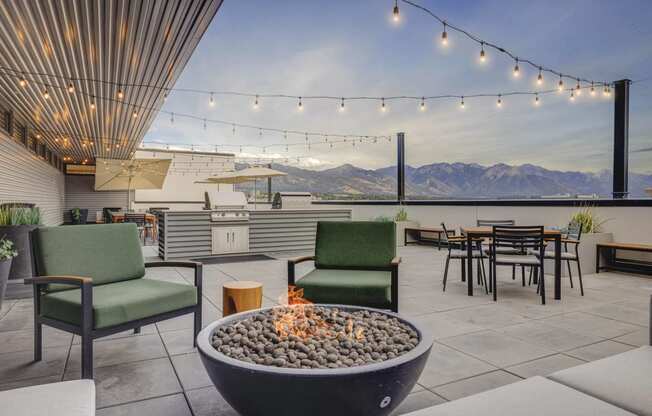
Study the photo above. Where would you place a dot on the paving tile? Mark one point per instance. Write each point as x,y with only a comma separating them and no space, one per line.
29,382
21,365
209,402
547,336
495,348
118,351
443,326
19,317
477,384
179,342
209,314
588,324
145,330
544,366
174,405
446,365
637,339
622,313
487,316
14,341
417,401
124,383
191,371
598,351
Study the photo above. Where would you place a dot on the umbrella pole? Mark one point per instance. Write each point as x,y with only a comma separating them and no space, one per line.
255,192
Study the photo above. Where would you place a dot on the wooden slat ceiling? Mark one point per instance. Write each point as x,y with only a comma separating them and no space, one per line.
120,42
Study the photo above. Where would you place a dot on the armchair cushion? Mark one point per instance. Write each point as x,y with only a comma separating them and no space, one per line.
348,287
106,253
355,244
121,302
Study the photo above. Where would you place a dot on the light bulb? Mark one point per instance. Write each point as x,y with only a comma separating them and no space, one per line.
22,82
482,54
423,104
71,88
592,89
342,105
134,114
92,105
578,88
121,94
211,100
444,36
536,100
540,77
499,103
517,70
462,103
572,95
300,105
46,95
396,14
256,103
561,84
382,105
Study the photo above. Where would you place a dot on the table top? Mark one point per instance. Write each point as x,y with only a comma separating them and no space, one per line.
242,284
488,231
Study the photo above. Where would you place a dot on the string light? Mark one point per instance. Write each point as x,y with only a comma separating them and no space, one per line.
211,100
578,88
444,36
134,114
383,108
121,94
462,103
592,89
517,70
572,95
256,103
423,104
342,105
482,53
540,77
536,100
300,105
395,12
71,88
23,82
92,105
499,103
560,86
46,94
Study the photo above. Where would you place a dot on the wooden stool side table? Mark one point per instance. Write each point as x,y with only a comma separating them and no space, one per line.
240,296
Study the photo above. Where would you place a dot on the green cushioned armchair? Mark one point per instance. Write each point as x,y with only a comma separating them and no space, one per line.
355,264
90,282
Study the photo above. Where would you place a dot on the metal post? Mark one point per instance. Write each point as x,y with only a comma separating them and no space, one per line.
621,138
400,167
269,186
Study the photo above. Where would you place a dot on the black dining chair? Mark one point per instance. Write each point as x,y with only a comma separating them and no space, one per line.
571,236
526,239
503,250
144,228
457,250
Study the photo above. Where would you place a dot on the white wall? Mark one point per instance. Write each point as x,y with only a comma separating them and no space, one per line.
628,224
180,190
24,177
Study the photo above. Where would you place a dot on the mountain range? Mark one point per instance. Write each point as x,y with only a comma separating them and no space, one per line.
453,180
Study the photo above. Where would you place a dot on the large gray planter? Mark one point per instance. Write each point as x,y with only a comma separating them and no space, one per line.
5,266
21,266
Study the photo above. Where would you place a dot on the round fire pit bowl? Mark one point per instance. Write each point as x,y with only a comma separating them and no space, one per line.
374,389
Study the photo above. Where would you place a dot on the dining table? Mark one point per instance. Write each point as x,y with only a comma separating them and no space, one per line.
474,233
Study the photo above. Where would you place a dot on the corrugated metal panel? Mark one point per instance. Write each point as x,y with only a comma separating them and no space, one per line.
26,178
80,194
125,42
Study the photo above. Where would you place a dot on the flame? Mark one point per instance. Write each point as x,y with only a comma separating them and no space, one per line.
298,319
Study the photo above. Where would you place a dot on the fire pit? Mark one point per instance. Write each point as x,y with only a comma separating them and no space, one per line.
314,360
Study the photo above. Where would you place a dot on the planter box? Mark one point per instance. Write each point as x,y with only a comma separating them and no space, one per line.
21,266
5,266
400,231
587,254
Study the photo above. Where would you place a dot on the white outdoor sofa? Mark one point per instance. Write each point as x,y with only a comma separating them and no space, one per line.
617,385
68,398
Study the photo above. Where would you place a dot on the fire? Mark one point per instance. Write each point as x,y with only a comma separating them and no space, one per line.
298,320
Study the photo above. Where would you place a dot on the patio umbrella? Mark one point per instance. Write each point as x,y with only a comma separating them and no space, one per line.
118,175
245,175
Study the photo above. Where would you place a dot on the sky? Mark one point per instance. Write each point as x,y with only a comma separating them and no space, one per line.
352,48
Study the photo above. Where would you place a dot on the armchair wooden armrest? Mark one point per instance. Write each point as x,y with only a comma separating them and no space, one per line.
569,241
396,261
66,280
292,263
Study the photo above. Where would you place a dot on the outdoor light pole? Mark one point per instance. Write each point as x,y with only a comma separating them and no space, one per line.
621,139
400,167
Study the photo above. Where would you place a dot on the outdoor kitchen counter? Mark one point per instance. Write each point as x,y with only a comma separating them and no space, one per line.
187,234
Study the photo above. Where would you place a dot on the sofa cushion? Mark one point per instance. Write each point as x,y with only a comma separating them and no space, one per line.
106,253
534,396
355,244
347,287
120,302
624,380
68,398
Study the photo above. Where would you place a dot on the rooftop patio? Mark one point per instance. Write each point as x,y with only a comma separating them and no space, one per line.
479,344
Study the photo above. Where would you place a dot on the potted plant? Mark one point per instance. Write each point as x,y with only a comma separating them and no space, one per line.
402,222
78,215
16,222
7,253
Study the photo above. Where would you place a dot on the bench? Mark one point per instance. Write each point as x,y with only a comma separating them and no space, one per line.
607,251
419,238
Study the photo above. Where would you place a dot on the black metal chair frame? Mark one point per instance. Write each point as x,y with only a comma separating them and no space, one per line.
86,330
525,238
452,243
572,236
393,268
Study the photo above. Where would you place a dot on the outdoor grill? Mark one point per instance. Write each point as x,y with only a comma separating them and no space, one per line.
229,219
256,389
